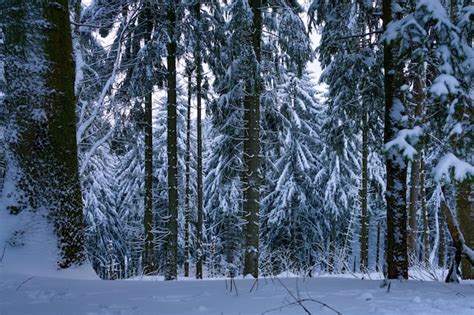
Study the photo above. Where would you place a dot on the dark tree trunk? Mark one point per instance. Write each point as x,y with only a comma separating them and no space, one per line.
172,244
149,257
45,149
69,220
377,256
198,61
419,90
412,205
424,211
364,244
464,193
397,258
442,238
461,248
251,179
187,196
466,222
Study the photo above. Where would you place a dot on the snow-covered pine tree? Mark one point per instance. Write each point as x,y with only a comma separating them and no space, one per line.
451,43
287,93
429,38
161,179
129,174
351,65
286,46
106,245
223,168
138,48
291,211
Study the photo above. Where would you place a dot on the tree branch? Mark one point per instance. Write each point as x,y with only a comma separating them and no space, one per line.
360,35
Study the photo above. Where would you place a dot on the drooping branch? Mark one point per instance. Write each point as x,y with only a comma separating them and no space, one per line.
360,35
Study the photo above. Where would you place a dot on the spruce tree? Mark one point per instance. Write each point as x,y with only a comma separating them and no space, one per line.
44,148
397,259
172,241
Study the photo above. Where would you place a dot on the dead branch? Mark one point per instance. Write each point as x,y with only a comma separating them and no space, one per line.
23,282
299,301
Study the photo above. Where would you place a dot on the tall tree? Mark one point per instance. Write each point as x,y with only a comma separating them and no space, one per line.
224,166
397,258
251,178
200,209
291,211
459,123
172,241
187,197
149,256
351,62
38,51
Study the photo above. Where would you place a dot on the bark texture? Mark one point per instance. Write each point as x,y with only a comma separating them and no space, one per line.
172,243
40,100
187,197
364,239
251,179
200,211
397,258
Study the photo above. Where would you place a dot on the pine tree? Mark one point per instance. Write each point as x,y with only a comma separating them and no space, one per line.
251,179
222,183
44,120
106,245
149,256
199,91
352,70
187,192
397,259
290,210
172,242
187,200
129,174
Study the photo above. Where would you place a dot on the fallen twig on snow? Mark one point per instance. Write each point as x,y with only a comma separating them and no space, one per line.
23,282
3,252
299,301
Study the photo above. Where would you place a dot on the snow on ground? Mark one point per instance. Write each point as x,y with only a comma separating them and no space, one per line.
24,294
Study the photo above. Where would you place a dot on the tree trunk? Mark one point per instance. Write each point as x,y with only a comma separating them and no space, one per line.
462,250
364,244
172,244
412,205
442,238
198,61
397,258
377,256
466,222
41,105
465,209
419,90
424,211
187,196
149,257
251,179
332,248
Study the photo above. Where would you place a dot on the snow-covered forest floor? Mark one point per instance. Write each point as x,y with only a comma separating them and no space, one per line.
31,284
81,294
